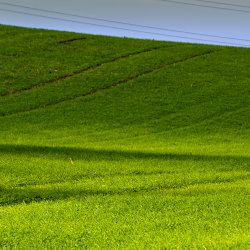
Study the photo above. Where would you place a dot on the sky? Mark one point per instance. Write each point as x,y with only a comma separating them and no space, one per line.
223,22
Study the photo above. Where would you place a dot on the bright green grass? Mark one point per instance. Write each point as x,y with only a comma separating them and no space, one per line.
110,143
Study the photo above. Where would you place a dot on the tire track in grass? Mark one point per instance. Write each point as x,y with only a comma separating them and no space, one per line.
112,85
71,40
214,117
208,119
80,71
58,191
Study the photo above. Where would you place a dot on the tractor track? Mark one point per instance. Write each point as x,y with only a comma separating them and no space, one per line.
113,85
80,71
71,40
19,194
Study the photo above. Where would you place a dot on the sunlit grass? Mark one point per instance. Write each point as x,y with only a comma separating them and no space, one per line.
147,149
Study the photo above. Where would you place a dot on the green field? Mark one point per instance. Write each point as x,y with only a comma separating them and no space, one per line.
117,143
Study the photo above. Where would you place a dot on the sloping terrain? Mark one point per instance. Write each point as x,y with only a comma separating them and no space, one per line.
118,143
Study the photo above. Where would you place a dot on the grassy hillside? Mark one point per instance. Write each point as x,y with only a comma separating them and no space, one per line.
118,143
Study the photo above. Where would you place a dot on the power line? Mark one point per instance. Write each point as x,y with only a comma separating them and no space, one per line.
119,28
126,23
226,4
207,6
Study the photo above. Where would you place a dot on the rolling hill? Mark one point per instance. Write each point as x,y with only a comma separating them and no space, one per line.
118,143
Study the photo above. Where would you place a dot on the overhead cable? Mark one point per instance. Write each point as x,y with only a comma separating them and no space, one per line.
226,4
125,23
120,28
207,6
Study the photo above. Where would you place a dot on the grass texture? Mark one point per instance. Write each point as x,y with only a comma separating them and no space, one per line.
117,143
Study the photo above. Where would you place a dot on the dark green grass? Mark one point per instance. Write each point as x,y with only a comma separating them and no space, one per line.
117,143
34,57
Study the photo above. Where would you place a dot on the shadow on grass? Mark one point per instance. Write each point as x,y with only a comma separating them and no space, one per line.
57,191
108,155
29,194
15,196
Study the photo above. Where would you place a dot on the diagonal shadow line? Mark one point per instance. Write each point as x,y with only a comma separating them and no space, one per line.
80,71
18,195
110,155
116,84
72,40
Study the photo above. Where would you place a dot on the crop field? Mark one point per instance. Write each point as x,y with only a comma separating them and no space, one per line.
118,143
